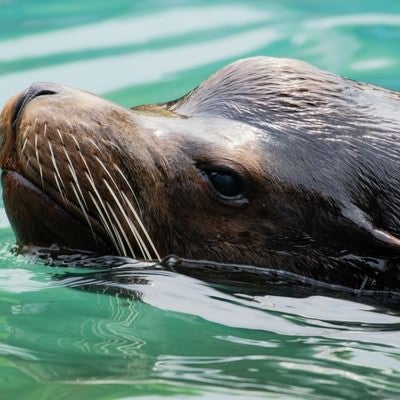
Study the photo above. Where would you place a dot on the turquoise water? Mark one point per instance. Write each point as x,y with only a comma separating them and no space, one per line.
79,334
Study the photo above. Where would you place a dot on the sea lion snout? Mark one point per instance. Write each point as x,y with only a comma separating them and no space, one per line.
65,158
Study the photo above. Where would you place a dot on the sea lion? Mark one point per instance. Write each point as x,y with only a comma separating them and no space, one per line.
269,162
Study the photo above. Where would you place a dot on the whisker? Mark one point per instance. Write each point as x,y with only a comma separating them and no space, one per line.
137,217
77,143
129,186
57,175
143,248
136,234
26,131
112,235
106,223
61,137
82,208
74,176
138,237
59,188
86,165
121,229
107,214
80,197
53,159
37,158
139,221
106,141
122,250
95,144
24,145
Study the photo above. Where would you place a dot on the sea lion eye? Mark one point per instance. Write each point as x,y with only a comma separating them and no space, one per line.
225,184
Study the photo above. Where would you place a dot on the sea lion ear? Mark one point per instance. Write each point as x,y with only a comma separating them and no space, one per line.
386,239
380,238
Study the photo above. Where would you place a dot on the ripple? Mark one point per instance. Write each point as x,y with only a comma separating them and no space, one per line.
18,352
141,67
354,20
18,280
372,64
131,30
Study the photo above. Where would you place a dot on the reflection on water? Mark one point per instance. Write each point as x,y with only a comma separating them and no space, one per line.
83,334
185,331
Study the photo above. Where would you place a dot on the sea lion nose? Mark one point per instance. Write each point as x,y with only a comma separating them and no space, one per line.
33,91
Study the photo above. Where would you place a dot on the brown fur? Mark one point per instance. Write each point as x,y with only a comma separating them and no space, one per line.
318,156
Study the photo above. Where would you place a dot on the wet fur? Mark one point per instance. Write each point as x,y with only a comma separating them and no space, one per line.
318,155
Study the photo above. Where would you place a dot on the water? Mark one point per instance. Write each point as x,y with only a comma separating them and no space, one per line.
84,334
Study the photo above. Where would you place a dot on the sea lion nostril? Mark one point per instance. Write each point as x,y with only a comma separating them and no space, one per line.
32,92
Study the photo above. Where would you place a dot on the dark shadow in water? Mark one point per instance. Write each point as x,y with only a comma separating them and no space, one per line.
124,276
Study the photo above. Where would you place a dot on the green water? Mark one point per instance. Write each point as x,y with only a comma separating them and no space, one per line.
61,337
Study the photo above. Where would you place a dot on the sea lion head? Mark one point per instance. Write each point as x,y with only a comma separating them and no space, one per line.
269,162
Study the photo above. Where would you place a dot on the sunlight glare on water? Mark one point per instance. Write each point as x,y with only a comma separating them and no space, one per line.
83,334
